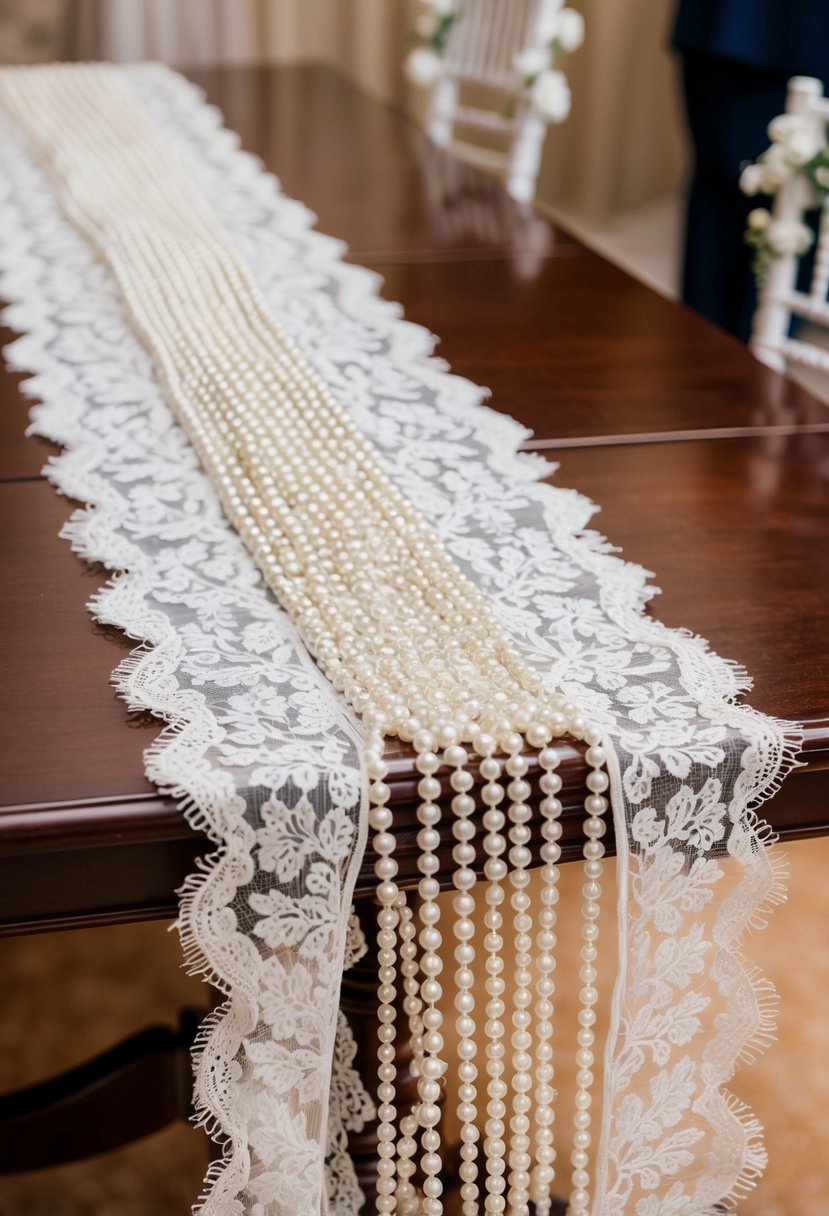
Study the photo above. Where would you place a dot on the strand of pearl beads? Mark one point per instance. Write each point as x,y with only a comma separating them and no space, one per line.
412,1004
518,815
544,1171
408,1200
390,899
495,871
595,806
432,1067
464,878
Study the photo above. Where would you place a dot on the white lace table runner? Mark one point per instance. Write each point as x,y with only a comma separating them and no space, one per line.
266,758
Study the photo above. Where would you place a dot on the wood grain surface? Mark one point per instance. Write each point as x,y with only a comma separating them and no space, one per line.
581,351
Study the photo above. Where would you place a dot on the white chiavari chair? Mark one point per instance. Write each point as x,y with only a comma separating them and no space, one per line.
780,300
482,45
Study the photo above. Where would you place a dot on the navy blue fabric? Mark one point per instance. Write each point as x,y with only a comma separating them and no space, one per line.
788,36
728,108
737,58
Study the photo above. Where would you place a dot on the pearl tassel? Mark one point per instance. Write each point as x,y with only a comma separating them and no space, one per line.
495,870
544,1171
595,805
412,1004
464,878
408,1202
519,814
385,868
432,1066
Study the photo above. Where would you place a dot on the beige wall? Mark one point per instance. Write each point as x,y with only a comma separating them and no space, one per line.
622,145
31,31
624,142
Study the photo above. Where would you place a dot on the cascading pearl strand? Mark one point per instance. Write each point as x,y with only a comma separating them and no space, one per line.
412,1004
544,1171
464,878
495,870
408,1201
432,1066
519,814
595,806
390,898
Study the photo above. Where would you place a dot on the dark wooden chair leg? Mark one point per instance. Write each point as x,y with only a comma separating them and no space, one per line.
136,1088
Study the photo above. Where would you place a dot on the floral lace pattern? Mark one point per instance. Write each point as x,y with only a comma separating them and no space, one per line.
267,758
264,757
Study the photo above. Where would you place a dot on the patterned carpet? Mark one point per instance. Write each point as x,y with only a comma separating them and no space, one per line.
67,996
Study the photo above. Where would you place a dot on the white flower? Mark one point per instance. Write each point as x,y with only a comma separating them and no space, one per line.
777,168
569,29
759,218
788,237
426,25
801,146
751,179
796,136
550,95
443,8
531,61
423,67
783,126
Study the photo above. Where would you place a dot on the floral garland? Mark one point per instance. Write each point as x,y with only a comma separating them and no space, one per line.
796,151
544,87
424,64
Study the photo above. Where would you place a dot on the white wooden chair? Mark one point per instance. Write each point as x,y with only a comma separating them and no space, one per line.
480,51
780,299
463,207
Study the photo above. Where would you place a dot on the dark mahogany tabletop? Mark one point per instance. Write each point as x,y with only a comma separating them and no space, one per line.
710,470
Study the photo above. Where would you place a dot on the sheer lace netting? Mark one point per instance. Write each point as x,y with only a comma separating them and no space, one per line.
266,760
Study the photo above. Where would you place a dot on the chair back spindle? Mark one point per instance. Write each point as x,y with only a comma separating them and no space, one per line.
779,297
482,46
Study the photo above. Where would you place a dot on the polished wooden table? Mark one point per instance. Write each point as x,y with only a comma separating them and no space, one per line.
709,468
